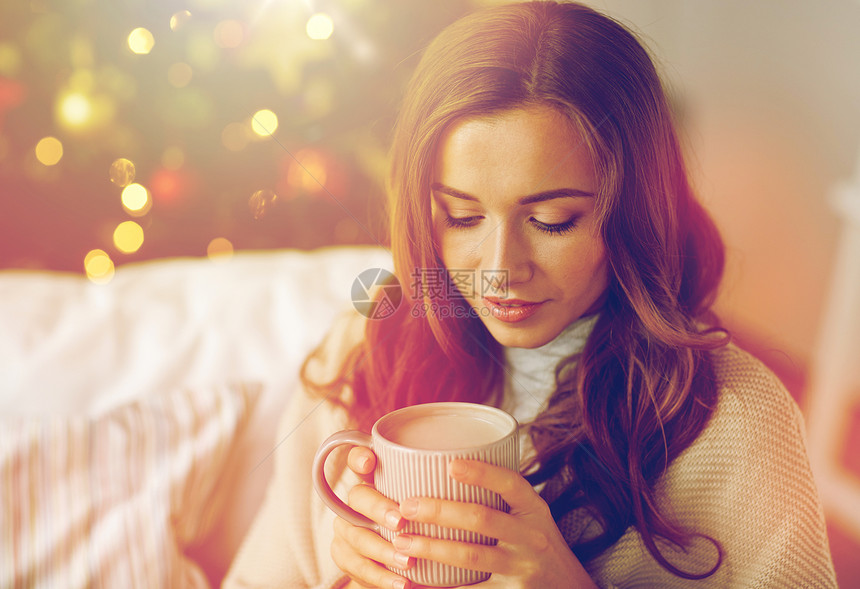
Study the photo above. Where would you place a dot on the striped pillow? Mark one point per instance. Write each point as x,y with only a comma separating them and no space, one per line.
112,501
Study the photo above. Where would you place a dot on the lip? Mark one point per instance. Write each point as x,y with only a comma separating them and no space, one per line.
506,301
502,310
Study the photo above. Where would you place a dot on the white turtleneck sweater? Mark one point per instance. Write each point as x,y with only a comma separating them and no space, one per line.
745,481
530,376
530,372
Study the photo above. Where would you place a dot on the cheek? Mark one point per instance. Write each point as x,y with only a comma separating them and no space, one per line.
601,276
455,249
585,266
599,272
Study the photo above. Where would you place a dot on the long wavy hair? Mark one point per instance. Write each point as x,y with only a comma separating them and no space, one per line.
643,387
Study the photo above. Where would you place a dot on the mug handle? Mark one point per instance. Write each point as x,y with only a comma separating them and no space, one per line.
321,485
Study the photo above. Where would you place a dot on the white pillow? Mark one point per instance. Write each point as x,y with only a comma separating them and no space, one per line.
70,347
113,501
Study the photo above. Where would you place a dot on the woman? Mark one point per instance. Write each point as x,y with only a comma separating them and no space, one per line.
536,164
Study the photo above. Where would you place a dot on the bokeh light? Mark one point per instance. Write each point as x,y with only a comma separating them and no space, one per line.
82,111
128,237
320,26
228,34
98,266
264,122
179,20
219,248
261,202
179,74
49,151
168,186
196,107
308,171
136,200
75,109
122,172
140,41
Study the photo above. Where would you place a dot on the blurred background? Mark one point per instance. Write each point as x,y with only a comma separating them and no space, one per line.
133,130
152,129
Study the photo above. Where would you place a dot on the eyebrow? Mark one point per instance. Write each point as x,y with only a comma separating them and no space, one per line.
525,200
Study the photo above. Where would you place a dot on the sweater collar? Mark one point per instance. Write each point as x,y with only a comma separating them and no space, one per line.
571,340
530,378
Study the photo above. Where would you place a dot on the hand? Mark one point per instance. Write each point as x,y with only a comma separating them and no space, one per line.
530,552
362,553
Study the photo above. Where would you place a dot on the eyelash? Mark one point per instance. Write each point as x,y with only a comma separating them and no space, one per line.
552,229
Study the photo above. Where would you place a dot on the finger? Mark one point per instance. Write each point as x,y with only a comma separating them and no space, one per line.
370,545
362,461
476,557
471,517
513,488
364,571
373,504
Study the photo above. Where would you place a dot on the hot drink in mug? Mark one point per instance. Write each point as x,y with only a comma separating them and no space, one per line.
413,447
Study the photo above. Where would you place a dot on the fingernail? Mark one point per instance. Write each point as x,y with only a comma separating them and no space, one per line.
401,559
459,468
409,508
365,463
392,518
398,584
402,542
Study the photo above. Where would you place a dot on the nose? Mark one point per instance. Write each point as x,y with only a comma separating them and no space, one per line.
506,257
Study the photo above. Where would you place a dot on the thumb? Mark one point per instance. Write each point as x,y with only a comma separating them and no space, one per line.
362,461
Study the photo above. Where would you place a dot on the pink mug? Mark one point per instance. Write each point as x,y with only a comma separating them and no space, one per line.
413,447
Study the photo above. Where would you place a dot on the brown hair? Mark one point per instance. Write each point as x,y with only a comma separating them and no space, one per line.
643,387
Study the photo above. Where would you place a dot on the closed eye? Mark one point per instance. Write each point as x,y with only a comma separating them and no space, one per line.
461,222
555,228
551,228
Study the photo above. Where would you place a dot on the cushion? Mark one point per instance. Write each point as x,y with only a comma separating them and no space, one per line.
113,500
70,347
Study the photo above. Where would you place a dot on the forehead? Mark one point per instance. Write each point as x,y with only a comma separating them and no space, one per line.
527,149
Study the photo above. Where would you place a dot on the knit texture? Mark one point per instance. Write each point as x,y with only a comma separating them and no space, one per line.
745,482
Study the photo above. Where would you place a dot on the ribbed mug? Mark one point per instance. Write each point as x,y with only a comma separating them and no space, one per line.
413,447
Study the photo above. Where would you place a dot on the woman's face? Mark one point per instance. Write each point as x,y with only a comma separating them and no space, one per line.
513,211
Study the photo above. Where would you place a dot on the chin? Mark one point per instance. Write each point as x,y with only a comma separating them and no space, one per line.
519,337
